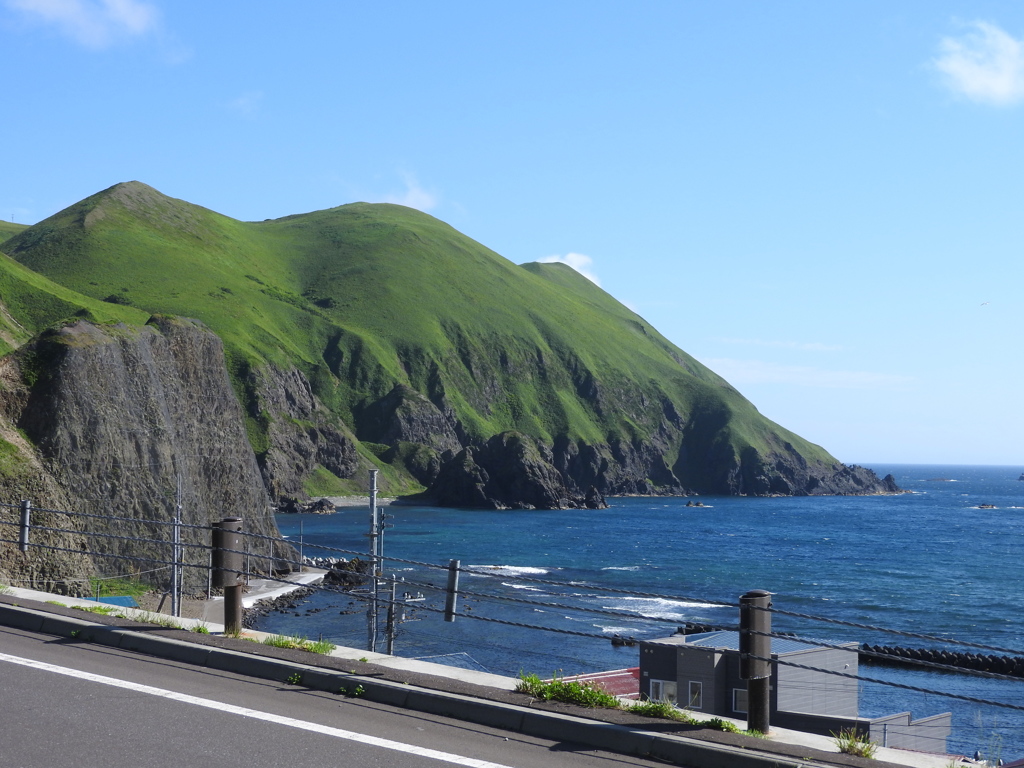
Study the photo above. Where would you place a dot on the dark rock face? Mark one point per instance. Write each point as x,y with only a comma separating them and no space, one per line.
515,471
404,415
510,471
302,434
119,415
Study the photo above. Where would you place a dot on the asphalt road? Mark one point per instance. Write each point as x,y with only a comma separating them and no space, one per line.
68,703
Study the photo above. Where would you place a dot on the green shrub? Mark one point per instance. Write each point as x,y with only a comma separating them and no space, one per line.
849,742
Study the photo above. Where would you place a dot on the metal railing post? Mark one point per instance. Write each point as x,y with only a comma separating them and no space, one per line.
227,559
26,521
451,599
755,656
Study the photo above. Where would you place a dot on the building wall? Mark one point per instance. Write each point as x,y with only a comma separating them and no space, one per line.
700,667
815,692
657,662
929,734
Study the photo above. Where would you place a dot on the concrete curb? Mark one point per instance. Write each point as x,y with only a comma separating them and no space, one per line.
693,753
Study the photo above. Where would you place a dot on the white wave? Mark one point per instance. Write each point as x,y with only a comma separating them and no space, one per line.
506,570
616,630
659,608
522,586
622,568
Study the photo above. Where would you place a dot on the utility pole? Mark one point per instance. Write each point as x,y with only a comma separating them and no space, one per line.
176,556
396,612
391,620
371,611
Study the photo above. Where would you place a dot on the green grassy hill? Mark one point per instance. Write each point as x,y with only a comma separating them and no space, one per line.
365,298
9,228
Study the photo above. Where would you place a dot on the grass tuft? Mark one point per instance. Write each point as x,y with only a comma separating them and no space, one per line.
662,709
300,643
571,692
849,742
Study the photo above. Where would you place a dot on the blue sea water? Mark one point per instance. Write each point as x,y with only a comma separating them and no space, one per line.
932,561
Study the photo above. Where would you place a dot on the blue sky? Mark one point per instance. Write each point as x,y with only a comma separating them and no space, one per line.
820,201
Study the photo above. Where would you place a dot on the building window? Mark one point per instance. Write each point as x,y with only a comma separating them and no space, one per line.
696,697
664,690
739,700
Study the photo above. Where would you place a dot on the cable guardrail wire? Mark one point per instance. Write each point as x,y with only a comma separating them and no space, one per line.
605,638
283,560
137,539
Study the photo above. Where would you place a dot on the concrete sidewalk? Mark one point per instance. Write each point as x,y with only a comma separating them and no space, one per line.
782,748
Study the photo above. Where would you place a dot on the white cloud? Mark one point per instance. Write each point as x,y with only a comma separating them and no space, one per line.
985,65
247,104
739,372
93,23
577,261
414,196
812,346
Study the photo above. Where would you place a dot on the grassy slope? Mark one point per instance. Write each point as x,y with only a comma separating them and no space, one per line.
9,229
365,296
30,302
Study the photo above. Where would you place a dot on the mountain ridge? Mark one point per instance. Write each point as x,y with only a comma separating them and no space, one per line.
421,352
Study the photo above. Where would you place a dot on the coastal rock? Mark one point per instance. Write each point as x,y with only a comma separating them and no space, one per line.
119,415
348,573
406,416
301,435
510,471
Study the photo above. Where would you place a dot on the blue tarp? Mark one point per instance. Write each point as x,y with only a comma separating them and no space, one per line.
124,601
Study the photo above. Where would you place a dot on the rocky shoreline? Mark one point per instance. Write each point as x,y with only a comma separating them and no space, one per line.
343,575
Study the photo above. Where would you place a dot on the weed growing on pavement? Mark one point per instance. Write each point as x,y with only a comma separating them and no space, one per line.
661,709
718,724
300,643
571,692
295,678
849,742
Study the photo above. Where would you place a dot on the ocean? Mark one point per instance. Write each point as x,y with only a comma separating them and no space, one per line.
944,560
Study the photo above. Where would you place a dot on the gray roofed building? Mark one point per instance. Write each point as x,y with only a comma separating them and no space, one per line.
702,672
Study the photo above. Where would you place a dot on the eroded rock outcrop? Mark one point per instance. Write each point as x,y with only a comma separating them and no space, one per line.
301,434
123,416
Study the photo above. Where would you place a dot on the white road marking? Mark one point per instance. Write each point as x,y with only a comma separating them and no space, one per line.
255,714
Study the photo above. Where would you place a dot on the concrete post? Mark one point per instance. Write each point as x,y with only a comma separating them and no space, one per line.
755,656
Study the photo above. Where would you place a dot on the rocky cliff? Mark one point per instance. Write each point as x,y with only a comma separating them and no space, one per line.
120,418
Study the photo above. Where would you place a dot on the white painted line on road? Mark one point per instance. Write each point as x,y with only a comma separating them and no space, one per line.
255,714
